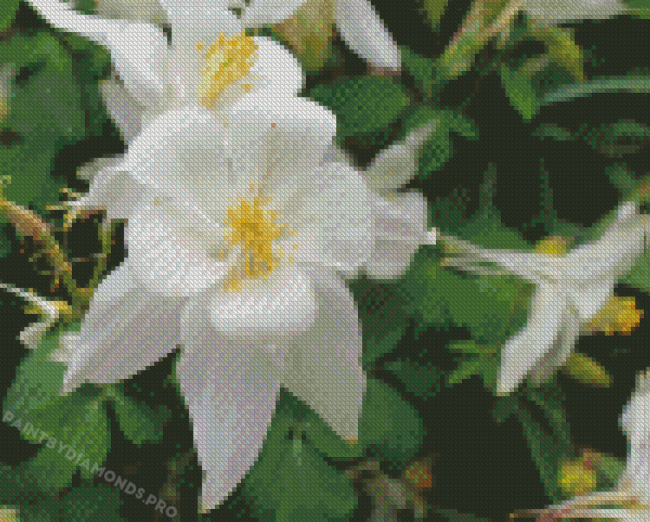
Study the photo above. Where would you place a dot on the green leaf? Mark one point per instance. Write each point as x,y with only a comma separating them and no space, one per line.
550,398
465,370
96,502
291,479
547,454
615,140
138,421
382,315
52,470
505,407
639,275
520,91
562,49
422,70
610,469
8,13
390,427
554,132
634,83
364,105
435,9
424,381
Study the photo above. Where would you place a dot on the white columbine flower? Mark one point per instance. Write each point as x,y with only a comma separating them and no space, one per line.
237,238
212,63
570,291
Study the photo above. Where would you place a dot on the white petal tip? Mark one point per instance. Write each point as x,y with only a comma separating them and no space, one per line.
432,237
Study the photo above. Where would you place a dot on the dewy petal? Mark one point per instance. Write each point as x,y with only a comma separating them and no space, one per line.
231,392
174,252
137,49
115,190
279,307
562,348
399,228
524,351
333,221
364,32
279,141
123,108
325,369
397,165
126,329
262,12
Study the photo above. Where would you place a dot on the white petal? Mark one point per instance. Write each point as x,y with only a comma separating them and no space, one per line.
399,228
609,257
200,20
184,155
116,191
364,32
589,299
231,393
553,12
524,351
137,49
562,348
262,12
88,171
125,330
527,265
279,141
123,108
279,307
325,366
333,223
397,165
174,252
276,68
149,11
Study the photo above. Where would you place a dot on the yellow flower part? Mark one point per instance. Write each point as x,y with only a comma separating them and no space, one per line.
228,60
254,228
555,246
618,315
577,479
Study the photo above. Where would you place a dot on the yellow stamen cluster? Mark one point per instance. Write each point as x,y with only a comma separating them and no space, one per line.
254,228
618,315
227,61
577,479
555,246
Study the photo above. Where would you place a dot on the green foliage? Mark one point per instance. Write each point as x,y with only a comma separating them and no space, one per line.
291,479
137,420
365,106
424,380
634,83
76,420
8,13
390,427
618,139
519,89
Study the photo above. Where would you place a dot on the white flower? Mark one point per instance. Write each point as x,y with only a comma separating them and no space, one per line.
365,34
570,291
399,218
211,63
554,12
237,238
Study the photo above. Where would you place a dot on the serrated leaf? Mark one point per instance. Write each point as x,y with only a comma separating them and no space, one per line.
466,369
138,421
422,380
291,479
550,398
587,371
521,93
364,105
390,427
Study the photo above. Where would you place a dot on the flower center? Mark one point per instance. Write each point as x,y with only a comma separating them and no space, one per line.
618,315
227,60
254,228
